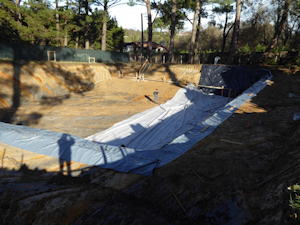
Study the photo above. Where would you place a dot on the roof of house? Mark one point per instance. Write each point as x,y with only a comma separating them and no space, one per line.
145,45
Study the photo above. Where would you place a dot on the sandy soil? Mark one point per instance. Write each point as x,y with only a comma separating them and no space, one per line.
84,114
81,98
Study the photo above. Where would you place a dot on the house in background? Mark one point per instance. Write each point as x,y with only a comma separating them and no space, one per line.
135,47
159,51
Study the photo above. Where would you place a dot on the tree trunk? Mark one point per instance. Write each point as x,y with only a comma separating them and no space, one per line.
65,24
86,32
104,28
77,40
172,30
148,6
66,40
194,31
18,2
198,35
57,22
87,44
236,28
224,33
280,25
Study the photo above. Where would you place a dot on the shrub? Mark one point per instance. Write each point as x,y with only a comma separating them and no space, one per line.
260,48
295,197
245,49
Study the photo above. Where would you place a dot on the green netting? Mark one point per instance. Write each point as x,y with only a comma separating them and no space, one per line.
45,53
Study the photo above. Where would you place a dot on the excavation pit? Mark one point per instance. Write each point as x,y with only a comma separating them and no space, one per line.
139,142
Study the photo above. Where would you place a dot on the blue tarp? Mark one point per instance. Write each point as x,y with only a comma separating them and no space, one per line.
121,159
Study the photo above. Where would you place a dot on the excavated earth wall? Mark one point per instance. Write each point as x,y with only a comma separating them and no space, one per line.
35,81
182,74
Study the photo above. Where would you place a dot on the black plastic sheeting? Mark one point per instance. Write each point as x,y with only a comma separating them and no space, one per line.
234,79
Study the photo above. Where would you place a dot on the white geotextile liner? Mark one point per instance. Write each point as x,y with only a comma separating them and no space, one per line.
156,127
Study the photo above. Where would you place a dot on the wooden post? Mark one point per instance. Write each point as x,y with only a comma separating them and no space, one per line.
22,159
222,91
137,76
2,158
229,93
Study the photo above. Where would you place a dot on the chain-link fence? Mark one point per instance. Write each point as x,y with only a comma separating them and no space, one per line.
48,53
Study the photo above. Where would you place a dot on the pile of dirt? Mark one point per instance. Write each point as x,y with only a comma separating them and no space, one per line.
238,175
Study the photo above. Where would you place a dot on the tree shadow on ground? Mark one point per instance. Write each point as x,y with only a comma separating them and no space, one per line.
167,68
172,75
53,101
133,69
28,119
77,82
9,113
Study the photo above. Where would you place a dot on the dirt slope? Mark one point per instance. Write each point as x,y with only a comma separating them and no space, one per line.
237,175
45,82
47,79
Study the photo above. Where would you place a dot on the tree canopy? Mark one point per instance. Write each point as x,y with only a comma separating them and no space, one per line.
71,24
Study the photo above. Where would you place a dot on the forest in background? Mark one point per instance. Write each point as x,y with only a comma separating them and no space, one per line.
67,23
247,26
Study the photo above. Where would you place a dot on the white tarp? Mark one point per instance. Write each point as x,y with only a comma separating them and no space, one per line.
158,126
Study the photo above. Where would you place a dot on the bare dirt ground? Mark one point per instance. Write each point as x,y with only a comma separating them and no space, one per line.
80,98
109,102
82,115
238,175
